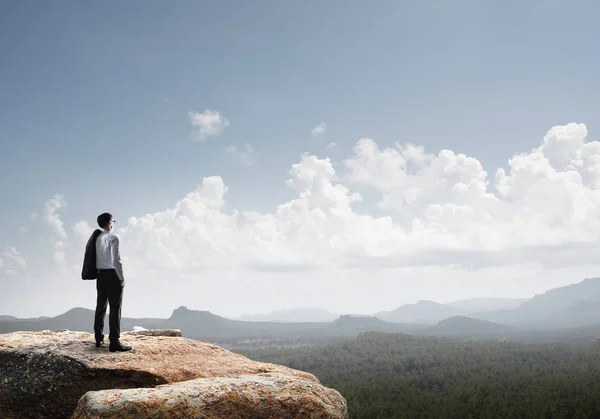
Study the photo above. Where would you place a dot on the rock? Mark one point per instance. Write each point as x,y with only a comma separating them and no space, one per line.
268,395
155,332
44,374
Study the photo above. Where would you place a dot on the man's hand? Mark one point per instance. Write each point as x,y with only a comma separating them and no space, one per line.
122,284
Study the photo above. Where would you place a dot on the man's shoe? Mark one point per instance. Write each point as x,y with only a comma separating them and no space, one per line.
119,348
99,344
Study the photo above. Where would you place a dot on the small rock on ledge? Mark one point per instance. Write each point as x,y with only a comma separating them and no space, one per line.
154,332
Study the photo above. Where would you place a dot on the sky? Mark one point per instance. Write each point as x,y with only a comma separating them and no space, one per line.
353,156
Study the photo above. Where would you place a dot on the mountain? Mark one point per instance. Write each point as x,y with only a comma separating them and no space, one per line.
209,327
579,314
565,313
467,328
370,323
422,312
308,314
199,323
77,318
462,326
183,316
205,325
574,305
483,305
4,318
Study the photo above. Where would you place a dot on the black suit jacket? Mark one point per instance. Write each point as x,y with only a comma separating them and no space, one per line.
89,270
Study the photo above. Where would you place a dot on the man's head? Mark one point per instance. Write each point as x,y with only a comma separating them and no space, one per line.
105,221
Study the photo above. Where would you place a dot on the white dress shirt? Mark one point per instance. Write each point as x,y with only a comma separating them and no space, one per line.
108,255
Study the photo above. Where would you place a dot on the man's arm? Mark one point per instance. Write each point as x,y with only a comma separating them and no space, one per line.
116,257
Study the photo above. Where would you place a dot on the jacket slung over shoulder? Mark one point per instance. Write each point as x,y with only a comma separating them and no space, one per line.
89,270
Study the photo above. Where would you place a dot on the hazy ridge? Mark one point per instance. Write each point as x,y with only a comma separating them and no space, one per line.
564,313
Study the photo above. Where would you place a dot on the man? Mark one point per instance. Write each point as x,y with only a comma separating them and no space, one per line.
109,284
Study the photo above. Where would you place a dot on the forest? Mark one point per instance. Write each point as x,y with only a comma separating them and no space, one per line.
394,375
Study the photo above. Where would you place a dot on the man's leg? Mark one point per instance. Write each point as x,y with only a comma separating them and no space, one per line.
101,302
115,298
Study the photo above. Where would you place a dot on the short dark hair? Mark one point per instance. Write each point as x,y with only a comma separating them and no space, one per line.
103,219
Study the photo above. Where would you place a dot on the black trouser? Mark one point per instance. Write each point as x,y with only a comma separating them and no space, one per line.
108,286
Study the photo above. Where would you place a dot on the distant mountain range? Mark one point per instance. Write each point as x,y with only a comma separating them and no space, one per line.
570,312
208,327
4,318
467,327
7,318
574,305
482,305
422,312
308,314
430,312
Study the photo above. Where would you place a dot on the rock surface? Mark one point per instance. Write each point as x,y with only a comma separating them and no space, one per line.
44,374
156,332
268,395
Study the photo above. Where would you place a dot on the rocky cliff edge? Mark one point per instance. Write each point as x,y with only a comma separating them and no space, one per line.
61,374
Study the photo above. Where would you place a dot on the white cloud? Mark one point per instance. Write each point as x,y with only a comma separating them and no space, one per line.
209,124
319,129
11,262
246,154
83,230
331,145
549,197
446,213
53,221
444,223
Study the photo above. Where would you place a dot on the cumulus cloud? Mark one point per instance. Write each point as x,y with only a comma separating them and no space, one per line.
208,123
331,145
83,230
245,154
53,221
441,216
319,129
442,209
546,197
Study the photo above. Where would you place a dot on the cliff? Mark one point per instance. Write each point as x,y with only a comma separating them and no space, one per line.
61,374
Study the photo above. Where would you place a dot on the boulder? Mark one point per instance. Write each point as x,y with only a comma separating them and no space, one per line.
44,375
267,395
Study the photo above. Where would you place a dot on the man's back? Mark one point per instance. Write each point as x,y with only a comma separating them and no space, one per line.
108,255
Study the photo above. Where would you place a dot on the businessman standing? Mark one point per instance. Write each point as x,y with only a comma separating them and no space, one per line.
109,284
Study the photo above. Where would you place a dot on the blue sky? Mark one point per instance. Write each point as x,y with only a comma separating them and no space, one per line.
94,96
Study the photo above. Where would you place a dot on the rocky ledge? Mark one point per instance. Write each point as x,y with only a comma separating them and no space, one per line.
61,374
